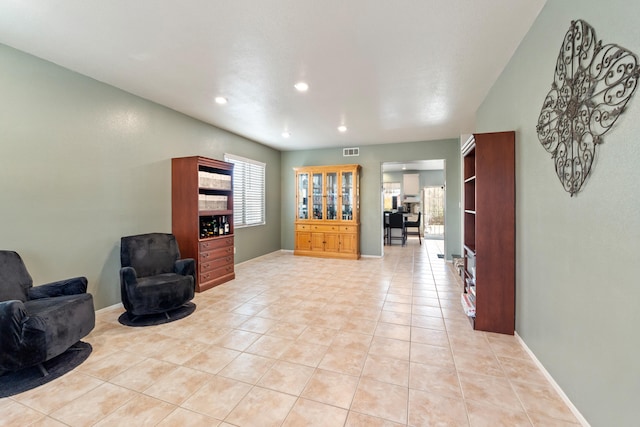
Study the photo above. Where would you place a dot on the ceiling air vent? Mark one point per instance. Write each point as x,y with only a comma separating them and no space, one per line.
350,152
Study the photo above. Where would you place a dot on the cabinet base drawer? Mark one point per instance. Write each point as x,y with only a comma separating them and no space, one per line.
215,243
215,254
212,264
210,275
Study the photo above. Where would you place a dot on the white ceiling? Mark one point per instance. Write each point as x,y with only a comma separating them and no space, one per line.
391,71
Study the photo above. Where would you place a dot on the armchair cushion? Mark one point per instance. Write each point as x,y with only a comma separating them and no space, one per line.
149,254
159,294
58,323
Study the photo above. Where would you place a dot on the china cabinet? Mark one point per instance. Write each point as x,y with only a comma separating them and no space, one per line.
327,222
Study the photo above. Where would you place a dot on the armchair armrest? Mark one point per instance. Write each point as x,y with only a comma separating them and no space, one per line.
185,267
73,286
12,315
128,276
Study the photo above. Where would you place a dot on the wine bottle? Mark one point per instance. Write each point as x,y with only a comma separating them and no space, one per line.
215,227
203,229
227,228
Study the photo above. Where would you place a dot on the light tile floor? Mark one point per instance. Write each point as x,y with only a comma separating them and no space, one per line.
297,341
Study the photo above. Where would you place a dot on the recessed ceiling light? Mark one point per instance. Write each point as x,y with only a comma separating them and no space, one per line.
221,100
286,134
342,128
301,86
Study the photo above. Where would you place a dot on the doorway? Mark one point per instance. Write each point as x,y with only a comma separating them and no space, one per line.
433,198
428,198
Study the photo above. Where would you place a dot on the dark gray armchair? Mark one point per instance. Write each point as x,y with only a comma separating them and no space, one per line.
39,323
153,278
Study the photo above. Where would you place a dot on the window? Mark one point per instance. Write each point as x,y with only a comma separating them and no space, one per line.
248,191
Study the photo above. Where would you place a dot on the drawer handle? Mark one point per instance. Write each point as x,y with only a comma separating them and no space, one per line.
205,255
228,259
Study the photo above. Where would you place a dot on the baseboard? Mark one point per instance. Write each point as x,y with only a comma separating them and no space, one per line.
262,256
553,382
110,307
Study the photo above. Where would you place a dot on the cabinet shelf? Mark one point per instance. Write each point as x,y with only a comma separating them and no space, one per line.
214,190
470,179
212,238
215,212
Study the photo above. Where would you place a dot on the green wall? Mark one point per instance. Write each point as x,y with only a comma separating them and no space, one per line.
577,289
371,159
429,178
83,164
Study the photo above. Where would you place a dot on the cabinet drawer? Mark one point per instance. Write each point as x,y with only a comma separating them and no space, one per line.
325,228
303,227
215,254
215,273
215,263
348,228
207,245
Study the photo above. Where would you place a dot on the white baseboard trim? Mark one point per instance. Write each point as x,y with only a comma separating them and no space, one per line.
262,256
116,305
553,382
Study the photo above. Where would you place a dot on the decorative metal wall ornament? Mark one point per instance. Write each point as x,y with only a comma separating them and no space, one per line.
591,87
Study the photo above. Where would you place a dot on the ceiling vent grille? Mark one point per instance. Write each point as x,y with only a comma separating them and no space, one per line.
350,152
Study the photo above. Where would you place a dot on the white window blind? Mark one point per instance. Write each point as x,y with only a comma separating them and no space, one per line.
248,191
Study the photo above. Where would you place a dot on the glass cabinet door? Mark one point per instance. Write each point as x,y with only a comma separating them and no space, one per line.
303,196
332,195
317,196
347,195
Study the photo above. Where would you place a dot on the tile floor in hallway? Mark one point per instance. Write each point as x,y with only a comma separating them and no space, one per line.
298,341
